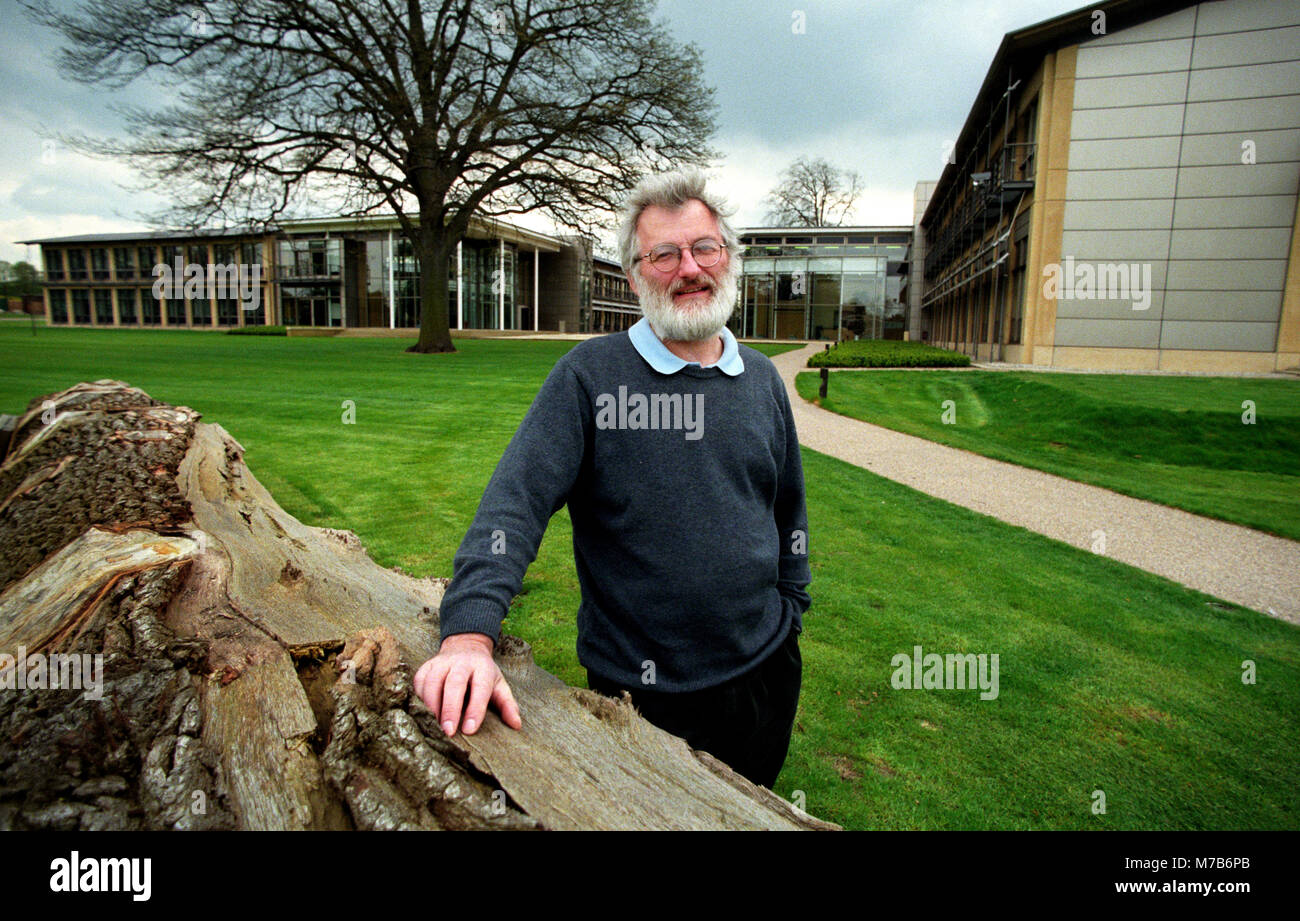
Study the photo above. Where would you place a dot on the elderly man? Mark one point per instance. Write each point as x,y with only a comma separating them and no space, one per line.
675,450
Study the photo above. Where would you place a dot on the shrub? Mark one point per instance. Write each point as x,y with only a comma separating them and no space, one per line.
258,331
887,353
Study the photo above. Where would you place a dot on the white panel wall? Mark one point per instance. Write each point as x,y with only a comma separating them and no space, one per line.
1164,113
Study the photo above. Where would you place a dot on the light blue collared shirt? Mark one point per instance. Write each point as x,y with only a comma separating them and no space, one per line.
651,348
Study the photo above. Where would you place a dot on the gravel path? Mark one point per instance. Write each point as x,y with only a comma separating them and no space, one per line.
1228,561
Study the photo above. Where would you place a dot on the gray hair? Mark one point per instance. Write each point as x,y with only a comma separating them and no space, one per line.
672,191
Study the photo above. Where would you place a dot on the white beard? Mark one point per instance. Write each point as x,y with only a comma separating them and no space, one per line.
693,324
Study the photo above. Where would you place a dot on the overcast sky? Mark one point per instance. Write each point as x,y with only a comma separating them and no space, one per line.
878,86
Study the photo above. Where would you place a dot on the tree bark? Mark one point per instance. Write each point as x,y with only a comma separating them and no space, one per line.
432,249
256,672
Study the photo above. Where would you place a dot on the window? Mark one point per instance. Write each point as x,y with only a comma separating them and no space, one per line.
81,306
76,266
1028,130
150,314
146,258
126,305
201,309
99,264
310,258
59,306
227,311
103,307
123,266
982,332
1018,291
54,268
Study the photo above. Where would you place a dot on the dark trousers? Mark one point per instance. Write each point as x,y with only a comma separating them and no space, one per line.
745,722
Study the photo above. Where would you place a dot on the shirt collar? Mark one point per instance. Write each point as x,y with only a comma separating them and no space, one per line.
656,354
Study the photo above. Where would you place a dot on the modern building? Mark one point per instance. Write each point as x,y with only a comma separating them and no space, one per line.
342,272
613,305
1123,194
822,283
334,272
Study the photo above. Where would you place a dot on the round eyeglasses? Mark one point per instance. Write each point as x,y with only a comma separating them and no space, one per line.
666,257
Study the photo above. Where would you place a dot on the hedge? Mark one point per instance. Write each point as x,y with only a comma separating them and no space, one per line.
258,331
887,353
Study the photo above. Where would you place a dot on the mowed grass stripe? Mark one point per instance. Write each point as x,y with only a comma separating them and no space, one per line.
1179,441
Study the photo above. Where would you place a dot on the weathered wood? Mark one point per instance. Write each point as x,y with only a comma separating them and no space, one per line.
257,671
62,593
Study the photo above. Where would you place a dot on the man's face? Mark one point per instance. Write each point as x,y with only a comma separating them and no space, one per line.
692,302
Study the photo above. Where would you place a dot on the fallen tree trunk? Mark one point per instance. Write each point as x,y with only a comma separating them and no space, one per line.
178,652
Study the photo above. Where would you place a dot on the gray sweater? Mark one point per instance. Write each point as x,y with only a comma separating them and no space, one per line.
689,523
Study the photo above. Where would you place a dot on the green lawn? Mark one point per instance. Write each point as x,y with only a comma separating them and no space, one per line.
1180,441
1110,679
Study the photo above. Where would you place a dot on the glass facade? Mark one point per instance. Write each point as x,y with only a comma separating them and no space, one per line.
59,306
250,254
103,307
383,285
311,305
150,312
77,265
365,278
146,258
310,257
81,305
227,311
176,311
488,283
123,265
99,264
816,285
127,309
406,284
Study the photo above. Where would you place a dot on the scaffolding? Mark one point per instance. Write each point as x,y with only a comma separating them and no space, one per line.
971,239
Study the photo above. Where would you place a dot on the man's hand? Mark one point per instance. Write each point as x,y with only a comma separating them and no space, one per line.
464,662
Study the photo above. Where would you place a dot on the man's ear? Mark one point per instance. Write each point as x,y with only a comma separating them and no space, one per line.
632,281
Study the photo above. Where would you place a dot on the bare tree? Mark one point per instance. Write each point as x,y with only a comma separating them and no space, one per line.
812,193
436,112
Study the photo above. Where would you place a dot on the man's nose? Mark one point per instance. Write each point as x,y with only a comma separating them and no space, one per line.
688,267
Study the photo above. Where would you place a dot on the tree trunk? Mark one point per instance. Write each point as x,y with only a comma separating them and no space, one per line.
256,672
432,249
